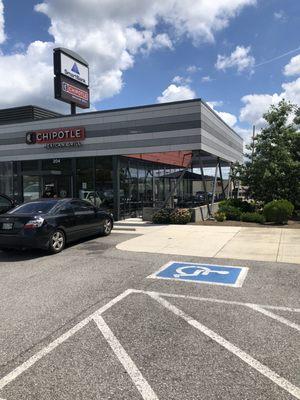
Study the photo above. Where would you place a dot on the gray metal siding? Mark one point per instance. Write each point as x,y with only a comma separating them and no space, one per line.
167,127
218,138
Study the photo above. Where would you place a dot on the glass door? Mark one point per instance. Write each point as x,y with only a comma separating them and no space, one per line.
57,186
31,187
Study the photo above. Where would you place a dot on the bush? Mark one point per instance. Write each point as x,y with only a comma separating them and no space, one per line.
180,216
253,217
232,213
278,211
162,216
220,216
243,206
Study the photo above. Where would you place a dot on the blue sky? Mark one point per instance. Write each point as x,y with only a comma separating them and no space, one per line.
261,30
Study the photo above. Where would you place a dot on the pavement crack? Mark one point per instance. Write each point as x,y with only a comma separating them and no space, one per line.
227,243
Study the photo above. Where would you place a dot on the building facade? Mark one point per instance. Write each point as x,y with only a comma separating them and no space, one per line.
122,160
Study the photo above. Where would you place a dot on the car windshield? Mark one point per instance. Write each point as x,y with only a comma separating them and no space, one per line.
37,207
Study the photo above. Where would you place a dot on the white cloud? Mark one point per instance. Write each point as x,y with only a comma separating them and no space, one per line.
292,91
240,59
245,133
109,34
229,118
206,79
257,104
181,80
176,93
192,69
293,67
280,16
214,104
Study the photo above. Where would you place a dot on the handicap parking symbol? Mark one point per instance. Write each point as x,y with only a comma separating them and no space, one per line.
202,273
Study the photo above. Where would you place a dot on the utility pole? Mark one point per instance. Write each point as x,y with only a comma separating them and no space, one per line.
253,142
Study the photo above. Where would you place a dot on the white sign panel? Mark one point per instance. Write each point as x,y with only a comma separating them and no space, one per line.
74,69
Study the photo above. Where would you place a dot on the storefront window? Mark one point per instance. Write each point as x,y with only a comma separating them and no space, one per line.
125,203
104,194
85,178
64,165
31,187
148,198
6,178
32,165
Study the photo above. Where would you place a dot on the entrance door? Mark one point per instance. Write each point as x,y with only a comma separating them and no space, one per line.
57,186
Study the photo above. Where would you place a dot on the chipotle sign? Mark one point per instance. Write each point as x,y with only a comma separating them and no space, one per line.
60,137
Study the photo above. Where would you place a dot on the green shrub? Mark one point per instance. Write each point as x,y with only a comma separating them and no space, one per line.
278,211
232,213
243,206
220,216
180,216
162,216
253,217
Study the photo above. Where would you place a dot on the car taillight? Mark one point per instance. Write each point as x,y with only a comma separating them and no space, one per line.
34,223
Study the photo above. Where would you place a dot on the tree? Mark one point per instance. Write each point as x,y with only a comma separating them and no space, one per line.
272,171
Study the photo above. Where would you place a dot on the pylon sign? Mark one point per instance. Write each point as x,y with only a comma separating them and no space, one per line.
71,81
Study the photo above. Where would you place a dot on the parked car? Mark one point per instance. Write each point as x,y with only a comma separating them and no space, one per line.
200,196
6,203
51,223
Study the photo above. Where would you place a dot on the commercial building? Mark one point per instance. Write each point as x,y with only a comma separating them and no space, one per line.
123,159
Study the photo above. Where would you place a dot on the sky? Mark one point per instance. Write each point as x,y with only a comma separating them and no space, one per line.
240,56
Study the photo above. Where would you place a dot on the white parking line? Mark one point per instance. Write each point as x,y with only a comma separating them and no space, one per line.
252,362
136,376
46,350
212,300
140,382
274,316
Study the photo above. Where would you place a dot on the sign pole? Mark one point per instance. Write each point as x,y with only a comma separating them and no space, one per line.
73,109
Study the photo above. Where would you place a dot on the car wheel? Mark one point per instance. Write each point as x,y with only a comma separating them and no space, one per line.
107,227
57,242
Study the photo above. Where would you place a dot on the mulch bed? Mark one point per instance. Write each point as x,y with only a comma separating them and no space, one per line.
290,225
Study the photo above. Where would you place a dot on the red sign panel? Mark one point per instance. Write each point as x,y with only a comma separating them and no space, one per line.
74,91
58,135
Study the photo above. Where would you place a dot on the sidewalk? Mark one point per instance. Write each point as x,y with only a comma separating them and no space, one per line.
260,244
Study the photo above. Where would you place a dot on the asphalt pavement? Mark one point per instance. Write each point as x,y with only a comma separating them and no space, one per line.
89,323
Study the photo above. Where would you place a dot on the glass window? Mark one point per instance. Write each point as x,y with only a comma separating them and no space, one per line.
82,206
31,188
6,178
32,165
104,194
84,176
5,204
39,207
124,190
58,164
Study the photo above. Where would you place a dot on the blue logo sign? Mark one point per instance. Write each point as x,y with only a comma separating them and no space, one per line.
75,69
202,273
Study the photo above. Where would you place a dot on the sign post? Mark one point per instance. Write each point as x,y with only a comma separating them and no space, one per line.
71,81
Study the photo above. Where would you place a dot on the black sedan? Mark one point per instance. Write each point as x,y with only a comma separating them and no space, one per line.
50,224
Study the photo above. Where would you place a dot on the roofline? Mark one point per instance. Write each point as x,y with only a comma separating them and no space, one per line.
218,116
146,106
33,106
139,107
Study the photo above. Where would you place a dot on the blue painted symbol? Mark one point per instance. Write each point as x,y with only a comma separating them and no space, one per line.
203,273
75,69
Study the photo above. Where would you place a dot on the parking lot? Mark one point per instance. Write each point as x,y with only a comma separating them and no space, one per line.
95,322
